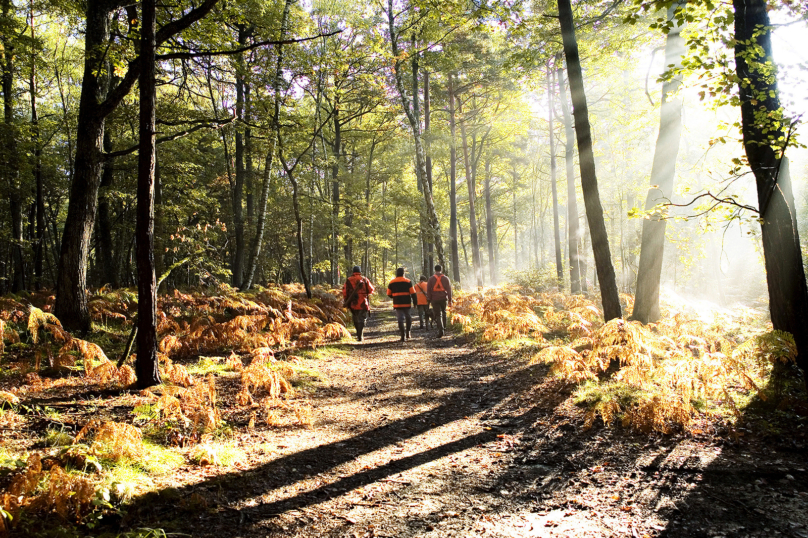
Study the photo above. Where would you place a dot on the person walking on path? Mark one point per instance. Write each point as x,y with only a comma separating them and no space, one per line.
401,290
424,315
355,292
439,293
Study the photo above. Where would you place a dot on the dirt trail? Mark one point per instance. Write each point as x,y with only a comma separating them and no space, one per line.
433,437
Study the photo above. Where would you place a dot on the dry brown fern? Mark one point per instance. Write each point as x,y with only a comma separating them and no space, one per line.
112,440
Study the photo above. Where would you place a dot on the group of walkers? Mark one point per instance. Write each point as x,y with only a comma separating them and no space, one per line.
431,296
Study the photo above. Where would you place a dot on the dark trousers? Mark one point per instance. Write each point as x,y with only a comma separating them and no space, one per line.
423,314
439,312
359,318
402,315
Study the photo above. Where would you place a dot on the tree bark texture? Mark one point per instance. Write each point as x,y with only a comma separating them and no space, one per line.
427,149
39,244
490,231
420,155
146,366
573,226
10,162
663,172
258,238
237,194
106,251
453,185
470,184
760,107
71,278
71,281
554,188
301,251
589,182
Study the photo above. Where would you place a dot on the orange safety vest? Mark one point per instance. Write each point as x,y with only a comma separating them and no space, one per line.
420,288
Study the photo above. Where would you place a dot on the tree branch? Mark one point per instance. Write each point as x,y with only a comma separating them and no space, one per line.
204,53
116,95
209,124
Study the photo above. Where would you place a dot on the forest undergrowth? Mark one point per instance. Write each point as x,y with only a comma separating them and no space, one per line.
78,441
684,371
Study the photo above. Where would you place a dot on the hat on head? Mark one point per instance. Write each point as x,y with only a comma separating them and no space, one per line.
357,269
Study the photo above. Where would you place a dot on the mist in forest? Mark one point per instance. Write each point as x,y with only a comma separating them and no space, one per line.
712,259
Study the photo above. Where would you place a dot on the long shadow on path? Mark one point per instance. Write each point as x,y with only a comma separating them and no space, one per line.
473,396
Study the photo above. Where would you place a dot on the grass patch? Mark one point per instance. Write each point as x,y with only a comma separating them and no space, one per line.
125,479
54,437
303,377
326,352
159,459
221,454
517,346
211,365
11,461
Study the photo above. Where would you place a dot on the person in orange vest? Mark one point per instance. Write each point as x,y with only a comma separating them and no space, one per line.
439,293
357,288
424,313
403,294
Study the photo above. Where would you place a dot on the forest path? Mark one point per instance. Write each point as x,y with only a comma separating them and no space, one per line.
405,443
436,437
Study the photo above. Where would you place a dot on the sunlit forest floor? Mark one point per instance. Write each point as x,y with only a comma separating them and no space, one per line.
516,424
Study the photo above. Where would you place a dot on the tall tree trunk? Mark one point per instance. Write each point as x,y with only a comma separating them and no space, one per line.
420,155
335,191
763,137
475,246
39,203
249,174
573,229
589,181
515,230
301,251
106,251
428,178
10,161
71,277
366,257
71,283
258,238
146,366
453,185
420,175
556,230
490,232
347,217
663,172
237,194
